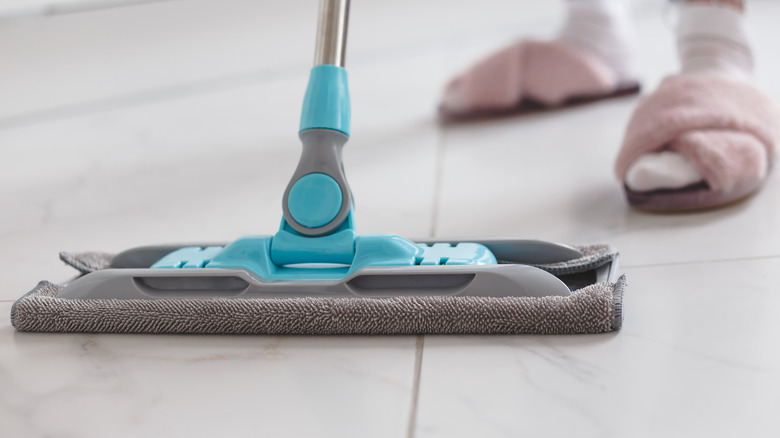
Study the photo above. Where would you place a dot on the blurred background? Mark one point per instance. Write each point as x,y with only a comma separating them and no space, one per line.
126,123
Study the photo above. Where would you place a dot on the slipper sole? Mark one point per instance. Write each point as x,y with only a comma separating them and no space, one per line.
529,106
692,198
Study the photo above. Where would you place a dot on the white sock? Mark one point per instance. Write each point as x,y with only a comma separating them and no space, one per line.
710,39
665,169
603,28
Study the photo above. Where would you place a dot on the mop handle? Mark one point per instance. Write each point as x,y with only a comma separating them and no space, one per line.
332,33
326,104
318,201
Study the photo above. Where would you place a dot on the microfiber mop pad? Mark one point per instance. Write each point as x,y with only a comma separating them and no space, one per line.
595,308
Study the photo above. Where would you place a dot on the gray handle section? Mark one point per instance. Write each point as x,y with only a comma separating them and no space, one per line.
386,282
332,33
321,154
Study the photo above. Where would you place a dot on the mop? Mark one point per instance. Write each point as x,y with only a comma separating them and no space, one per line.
316,276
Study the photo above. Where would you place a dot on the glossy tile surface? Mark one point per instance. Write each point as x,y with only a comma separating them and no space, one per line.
175,121
126,386
693,359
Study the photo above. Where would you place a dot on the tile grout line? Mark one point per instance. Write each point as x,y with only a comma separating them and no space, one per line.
418,354
700,262
438,178
420,343
144,97
197,87
76,7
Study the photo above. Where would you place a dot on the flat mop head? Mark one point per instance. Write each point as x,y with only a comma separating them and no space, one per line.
316,276
359,304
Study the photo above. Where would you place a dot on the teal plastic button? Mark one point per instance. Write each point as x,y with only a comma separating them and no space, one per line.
314,200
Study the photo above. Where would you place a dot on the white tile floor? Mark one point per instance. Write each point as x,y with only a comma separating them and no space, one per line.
176,121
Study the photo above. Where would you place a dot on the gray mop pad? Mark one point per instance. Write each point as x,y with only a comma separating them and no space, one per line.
596,308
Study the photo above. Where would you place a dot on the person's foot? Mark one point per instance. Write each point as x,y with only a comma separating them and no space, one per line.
589,60
711,40
707,136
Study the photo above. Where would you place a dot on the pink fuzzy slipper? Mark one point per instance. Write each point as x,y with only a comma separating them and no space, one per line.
530,75
727,128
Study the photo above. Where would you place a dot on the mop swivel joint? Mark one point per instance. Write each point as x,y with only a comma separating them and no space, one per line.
318,199
317,205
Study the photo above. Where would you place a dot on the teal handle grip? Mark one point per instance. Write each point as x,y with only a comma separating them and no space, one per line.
326,104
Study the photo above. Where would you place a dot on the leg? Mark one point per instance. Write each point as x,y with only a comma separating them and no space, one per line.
588,60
